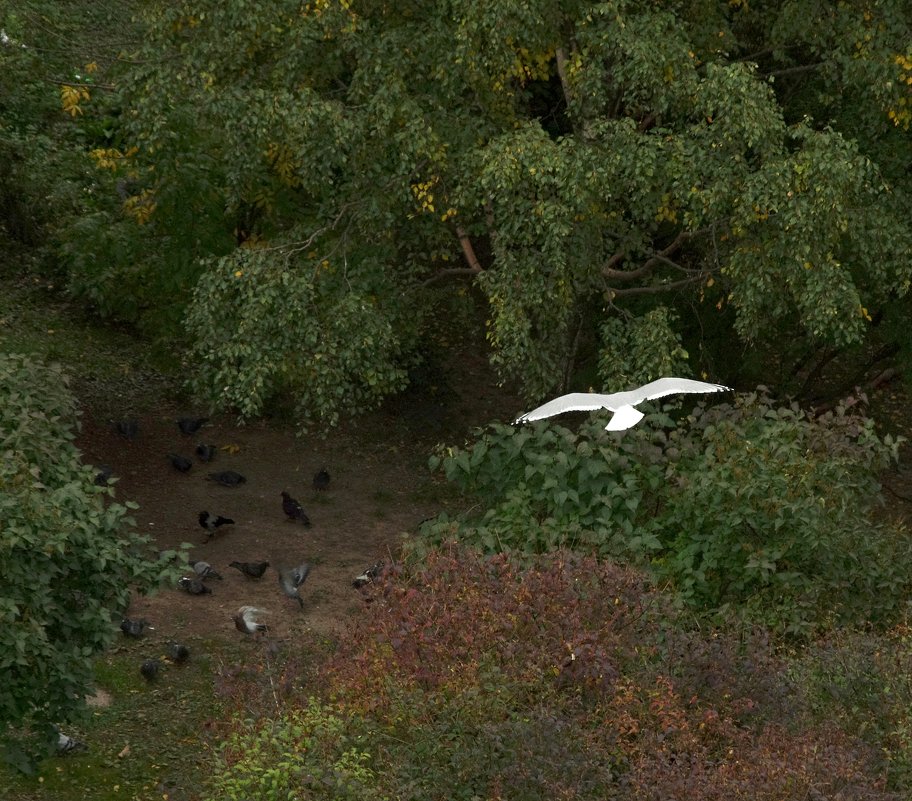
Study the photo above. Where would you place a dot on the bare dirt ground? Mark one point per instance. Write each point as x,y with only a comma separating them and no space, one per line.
380,488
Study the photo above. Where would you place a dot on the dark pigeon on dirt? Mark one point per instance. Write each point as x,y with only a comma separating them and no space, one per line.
134,628
206,453
227,478
103,476
128,429
291,580
252,570
368,576
193,586
321,479
181,463
245,620
190,425
149,669
205,571
178,653
212,523
293,509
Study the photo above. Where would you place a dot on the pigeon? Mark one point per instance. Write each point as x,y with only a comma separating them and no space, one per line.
127,428
246,622
621,403
181,463
212,522
291,580
227,478
205,571
190,425
251,569
178,653
103,476
321,479
368,576
206,453
293,509
67,744
193,586
149,669
134,628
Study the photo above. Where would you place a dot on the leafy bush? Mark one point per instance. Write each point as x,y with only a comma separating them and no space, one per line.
772,510
305,754
544,487
764,509
69,561
470,677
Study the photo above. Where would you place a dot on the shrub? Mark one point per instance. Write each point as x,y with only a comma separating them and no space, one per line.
771,510
544,487
69,559
470,677
763,510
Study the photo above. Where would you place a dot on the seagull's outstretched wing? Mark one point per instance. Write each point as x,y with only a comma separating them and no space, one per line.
665,386
624,418
574,402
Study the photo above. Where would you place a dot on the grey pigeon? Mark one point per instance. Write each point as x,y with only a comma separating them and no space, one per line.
293,509
205,571
321,479
227,478
193,586
67,744
206,453
103,476
178,653
253,570
128,429
181,463
368,576
149,669
213,522
291,580
190,425
134,628
246,622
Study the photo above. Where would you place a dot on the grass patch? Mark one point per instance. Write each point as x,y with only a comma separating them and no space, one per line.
152,739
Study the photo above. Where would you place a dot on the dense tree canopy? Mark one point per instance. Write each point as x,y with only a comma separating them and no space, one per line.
613,184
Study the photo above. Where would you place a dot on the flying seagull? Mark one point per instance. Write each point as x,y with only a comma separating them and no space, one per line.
621,403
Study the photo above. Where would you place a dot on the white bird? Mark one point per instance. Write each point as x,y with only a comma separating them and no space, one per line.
621,403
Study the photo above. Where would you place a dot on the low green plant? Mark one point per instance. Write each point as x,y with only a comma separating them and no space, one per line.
70,559
306,753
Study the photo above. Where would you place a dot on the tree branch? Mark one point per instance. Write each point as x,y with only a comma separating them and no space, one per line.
560,57
656,288
657,258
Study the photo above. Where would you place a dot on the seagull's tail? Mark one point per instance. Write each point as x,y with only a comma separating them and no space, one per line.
624,418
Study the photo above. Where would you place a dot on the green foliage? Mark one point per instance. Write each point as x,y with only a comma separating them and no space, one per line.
764,509
775,510
288,327
572,162
641,350
69,559
306,754
543,487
